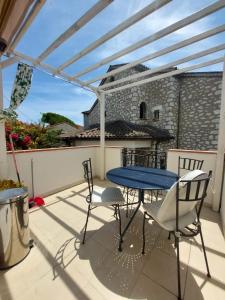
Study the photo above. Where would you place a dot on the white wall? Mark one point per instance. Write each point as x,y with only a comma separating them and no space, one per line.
118,143
222,211
209,158
112,159
59,168
54,169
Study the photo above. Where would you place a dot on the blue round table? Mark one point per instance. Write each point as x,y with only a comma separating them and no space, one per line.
142,179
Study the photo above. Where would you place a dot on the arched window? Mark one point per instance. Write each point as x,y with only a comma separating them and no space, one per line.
143,110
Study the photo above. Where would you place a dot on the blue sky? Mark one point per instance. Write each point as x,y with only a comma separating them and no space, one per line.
51,94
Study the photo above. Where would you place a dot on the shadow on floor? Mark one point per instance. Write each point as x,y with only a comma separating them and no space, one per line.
118,271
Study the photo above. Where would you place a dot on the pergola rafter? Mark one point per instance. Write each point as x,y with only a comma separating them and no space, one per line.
31,16
137,79
156,36
174,47
6,63
149,9
83,20
165,75
17,56
164,67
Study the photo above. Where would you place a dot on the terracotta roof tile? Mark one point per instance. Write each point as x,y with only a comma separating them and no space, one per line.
125,130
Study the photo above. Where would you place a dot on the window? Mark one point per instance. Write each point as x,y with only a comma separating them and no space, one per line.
142,110
156,115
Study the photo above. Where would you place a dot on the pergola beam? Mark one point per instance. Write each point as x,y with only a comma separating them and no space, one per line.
101,97
3,153
166,66
162,52
219,170
165,75
121,27
20,56
7,62
156,36
83,20
28,21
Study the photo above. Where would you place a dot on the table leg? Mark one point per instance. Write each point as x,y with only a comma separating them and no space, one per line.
140,199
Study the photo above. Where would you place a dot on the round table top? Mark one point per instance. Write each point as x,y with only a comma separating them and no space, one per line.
142,178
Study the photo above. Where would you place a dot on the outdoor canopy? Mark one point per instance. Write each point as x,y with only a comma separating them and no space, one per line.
133,80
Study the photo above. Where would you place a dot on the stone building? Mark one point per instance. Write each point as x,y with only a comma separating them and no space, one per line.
187,105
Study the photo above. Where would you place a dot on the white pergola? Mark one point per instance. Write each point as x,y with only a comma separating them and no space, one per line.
130,81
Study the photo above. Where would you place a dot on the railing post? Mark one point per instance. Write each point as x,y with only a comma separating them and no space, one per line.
3,153
101,97
220,150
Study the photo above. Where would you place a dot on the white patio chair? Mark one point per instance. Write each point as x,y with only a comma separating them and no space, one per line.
186,164
180,208
97,196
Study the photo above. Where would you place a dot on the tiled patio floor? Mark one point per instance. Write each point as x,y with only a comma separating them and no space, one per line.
59,268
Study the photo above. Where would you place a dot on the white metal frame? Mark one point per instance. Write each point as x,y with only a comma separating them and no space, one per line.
162,52
3,154
28,21
156,36
149,9
137,79
83,20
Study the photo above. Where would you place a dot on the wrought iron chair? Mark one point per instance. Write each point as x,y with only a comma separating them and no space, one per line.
132,158
180,209
142,158
110,196
189,164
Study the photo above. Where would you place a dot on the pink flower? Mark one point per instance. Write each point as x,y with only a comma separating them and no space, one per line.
26,140
8,129
15,136
8,146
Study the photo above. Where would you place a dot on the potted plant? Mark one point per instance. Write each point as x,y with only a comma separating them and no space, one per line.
6,184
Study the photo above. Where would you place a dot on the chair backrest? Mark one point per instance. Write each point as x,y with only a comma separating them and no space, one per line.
143,158
136,159
189,164
184,195
88,177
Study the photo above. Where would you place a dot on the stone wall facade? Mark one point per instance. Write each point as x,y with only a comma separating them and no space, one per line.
200,98
189,107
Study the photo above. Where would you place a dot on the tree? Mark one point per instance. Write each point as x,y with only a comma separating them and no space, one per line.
52,119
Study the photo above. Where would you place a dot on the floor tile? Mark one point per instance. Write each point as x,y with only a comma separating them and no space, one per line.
199,287
162,269
145,288
60,265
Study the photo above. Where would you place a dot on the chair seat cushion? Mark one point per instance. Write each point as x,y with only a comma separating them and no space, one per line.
153,208
107,196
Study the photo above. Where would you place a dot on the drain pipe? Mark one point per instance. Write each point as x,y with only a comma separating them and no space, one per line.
156,153
178,119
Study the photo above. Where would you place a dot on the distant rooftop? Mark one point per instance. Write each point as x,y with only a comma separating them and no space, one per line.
120,129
